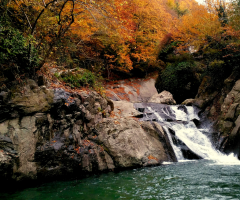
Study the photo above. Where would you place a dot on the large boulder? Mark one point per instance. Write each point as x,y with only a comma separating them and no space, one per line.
52,133
164,97
32,100
22,139
194,102
130,143
125,109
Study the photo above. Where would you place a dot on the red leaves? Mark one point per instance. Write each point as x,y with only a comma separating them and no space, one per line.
150,157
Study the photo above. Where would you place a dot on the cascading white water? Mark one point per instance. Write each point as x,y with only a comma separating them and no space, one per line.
176,149
194,138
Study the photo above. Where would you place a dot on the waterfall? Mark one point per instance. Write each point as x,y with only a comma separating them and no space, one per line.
180,120
176,149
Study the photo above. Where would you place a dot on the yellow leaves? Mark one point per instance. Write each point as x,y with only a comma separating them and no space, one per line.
119,32
196,25
171,3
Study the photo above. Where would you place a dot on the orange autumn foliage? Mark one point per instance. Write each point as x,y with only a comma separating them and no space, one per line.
121,34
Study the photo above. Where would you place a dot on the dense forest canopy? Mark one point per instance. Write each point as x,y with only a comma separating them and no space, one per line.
112,36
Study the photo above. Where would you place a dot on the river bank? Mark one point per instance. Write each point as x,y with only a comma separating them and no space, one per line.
51,133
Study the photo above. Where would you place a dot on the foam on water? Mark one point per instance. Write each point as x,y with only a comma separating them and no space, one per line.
194,138
176,149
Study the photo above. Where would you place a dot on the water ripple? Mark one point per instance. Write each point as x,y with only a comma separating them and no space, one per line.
185,180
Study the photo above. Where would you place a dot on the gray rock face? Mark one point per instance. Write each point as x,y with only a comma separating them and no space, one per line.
54,133
229,121
23,142
230,111
25,100
130,143
51,133
164,97
125,109
222,107
196,102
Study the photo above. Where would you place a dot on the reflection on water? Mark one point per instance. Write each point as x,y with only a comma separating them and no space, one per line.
202,179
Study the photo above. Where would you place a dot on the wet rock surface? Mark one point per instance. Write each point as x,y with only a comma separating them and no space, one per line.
166,116
220,105
51,134
46,134
229,121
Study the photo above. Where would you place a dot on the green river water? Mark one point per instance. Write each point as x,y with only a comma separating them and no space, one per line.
202,179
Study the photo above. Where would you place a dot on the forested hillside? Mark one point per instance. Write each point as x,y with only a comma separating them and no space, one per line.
92,86
115,38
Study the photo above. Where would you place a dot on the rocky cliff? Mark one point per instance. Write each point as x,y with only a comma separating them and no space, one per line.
221,106
50,133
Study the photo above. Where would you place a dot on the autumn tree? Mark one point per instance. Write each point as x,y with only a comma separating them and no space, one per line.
99,35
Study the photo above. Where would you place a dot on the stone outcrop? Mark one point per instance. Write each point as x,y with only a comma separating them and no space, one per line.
25,100
229,121
194,102
164,97
125,109
50,133
220,104
133,90
46,132
130,143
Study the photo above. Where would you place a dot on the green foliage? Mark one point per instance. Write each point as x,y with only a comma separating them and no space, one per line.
80,78
180,80
216,69
167,50
170,76
221,57
17,53
222,15
216,64
186,57
218,72
170,47
234,16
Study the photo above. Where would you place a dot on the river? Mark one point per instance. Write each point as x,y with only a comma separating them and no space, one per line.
202,179
216,176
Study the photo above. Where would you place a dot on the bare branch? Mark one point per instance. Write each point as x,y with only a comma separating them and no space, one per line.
42,11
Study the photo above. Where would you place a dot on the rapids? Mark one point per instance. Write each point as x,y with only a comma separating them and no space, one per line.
180,124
